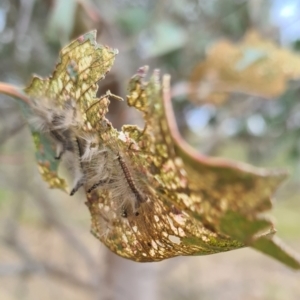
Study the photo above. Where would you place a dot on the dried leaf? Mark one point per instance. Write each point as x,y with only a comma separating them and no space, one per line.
187,205
253,66
81,64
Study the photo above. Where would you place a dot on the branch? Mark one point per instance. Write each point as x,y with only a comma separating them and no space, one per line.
53,218
11,132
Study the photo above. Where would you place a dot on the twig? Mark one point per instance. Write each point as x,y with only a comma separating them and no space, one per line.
68,277
23,21
44,267
14,92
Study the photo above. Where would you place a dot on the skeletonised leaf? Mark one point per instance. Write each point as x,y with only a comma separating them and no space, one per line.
81,64
188,204
243,67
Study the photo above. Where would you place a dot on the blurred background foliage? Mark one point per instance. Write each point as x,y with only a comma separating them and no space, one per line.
235,69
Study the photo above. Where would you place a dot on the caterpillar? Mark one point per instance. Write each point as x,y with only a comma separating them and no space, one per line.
131,183
60,124
111,172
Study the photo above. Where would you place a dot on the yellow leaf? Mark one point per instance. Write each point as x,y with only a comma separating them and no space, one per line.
255,66
81,65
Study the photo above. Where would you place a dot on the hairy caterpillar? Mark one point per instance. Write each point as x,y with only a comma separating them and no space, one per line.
108,169
60,124
139,198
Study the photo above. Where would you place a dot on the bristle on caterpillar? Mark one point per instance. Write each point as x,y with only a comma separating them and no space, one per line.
79,175
91,147
105,221
110,172
99,170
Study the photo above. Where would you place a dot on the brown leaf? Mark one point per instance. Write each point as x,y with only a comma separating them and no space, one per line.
149,195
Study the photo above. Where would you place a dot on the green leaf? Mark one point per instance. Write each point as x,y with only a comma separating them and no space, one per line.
164,38
61,21
133,20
